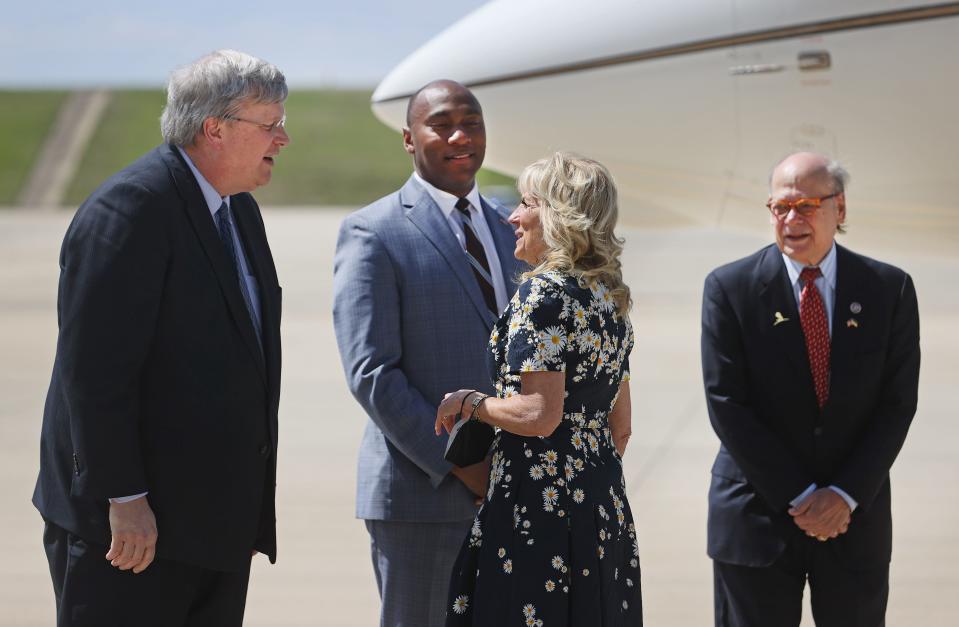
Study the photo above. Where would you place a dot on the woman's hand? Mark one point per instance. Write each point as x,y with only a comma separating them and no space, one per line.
450,410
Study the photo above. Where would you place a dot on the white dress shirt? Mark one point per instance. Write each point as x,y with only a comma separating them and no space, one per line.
826,284
447,204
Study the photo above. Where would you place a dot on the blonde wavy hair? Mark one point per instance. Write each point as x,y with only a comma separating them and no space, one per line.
578,210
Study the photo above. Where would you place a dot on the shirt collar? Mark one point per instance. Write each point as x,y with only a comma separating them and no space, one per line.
827,266
210,195
447,201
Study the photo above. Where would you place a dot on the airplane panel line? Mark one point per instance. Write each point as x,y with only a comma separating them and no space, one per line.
900,16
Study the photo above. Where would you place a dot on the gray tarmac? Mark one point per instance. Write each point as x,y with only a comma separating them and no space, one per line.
324,576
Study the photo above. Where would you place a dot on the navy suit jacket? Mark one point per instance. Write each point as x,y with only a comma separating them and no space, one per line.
159,384
411,325
762,404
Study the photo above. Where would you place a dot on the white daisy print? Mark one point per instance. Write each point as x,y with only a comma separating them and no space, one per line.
555,339
550,498
461,604
562,323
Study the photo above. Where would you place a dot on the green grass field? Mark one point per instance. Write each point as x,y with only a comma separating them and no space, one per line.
339,153
25,119
130,126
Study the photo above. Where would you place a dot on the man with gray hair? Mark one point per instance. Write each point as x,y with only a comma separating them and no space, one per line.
811,368
158,446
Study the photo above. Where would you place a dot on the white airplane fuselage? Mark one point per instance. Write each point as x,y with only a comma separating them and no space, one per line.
690,102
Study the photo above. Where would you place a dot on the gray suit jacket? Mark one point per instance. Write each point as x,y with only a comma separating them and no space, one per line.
411,325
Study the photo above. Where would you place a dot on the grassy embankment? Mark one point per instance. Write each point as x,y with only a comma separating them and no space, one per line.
339,153
25,119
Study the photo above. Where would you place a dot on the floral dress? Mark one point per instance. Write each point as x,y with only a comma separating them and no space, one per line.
554,543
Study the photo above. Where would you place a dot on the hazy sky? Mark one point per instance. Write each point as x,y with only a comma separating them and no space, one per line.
133,42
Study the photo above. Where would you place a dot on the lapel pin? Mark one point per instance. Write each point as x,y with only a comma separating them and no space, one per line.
779,318
851,323
855,307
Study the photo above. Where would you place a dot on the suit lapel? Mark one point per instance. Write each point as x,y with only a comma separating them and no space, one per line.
199,214
429,219
850,321
780,315
257,255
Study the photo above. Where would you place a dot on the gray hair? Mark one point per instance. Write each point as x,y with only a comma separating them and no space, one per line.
215,86
838,174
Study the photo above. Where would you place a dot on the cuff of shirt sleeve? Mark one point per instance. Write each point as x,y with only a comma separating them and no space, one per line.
127,499
802,497
851,502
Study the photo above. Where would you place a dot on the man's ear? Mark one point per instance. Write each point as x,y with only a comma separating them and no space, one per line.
212,130
408,141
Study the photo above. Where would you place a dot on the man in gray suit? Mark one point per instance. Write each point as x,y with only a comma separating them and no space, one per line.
420,277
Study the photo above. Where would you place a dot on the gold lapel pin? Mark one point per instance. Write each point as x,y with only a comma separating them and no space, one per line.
851,323
779,318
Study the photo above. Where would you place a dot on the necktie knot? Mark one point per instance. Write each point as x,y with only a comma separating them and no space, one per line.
463,206
808,275
223,214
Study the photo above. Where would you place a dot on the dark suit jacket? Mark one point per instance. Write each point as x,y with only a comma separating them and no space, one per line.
159,384
762,404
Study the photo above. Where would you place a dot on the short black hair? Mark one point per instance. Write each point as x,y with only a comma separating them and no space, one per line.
434,83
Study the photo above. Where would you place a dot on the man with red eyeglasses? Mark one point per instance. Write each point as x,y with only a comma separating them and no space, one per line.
811,368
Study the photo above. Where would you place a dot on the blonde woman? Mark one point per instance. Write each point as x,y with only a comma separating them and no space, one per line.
554,543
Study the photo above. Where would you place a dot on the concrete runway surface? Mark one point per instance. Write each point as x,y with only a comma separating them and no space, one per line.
324,576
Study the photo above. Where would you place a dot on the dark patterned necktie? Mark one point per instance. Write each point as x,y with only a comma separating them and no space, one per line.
476,256
223,220
815,326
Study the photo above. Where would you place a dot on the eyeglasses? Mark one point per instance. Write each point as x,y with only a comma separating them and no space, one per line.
805,207
269,128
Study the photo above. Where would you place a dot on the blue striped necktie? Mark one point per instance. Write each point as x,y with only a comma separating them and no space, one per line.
476,255
224,218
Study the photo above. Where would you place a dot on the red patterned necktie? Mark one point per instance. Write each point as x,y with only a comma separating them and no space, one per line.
812,316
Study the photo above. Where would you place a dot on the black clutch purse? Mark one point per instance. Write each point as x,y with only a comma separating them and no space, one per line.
469,442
